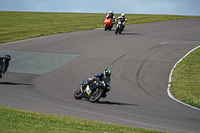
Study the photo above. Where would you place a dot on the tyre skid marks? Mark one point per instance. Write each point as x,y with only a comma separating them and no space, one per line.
138,78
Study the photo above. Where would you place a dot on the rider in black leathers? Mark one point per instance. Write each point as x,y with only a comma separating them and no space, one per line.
110,15
102,77
123,19
4,63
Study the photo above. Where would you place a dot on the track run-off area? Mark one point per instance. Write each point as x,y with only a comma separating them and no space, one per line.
45,72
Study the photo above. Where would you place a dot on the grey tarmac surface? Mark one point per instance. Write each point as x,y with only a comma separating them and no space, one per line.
140,60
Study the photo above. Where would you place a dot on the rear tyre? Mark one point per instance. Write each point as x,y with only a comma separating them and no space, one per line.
78,94
96,95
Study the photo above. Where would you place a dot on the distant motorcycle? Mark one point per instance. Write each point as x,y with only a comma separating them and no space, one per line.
119,27
108,23
4,63
93,91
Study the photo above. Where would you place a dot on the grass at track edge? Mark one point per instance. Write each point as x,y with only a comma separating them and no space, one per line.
15,120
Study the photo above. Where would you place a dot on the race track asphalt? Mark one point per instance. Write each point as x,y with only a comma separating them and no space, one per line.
140,60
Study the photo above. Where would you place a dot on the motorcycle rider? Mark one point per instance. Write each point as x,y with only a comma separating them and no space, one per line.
102,77
112,16
4,63
122,19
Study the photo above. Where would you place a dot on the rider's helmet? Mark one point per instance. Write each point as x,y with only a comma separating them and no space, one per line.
123,15
7,58
107,73
110,13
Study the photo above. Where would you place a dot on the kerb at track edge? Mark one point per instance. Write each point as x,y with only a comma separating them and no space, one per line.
169,85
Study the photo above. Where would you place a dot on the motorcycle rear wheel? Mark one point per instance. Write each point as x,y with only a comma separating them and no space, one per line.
96,95
78,94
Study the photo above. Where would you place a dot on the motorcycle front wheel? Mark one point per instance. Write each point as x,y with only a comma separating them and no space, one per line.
96,95
116,31
110,28
78,94
0,75
106,27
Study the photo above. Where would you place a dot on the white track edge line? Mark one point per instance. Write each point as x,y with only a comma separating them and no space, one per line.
112,117
169,85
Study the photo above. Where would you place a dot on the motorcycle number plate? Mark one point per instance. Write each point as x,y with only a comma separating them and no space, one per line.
88,90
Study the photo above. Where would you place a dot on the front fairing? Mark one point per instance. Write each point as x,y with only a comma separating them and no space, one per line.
94,85
97,84
119,24
107,21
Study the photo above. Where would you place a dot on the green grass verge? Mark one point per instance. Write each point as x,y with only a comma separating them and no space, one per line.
185,83
15,120
15,26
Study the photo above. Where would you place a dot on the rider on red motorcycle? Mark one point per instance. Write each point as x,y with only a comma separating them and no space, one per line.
112,16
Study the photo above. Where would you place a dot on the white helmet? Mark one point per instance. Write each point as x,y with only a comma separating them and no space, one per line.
123,15
110,12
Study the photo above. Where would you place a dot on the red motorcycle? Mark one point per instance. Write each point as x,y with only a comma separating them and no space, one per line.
108,23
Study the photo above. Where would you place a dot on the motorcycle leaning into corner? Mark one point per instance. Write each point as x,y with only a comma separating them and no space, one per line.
2,68
92,91
4,63
120,26
121,20
1,71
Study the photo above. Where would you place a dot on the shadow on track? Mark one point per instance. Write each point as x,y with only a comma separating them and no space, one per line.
110,30
129,33
115,103
10,83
